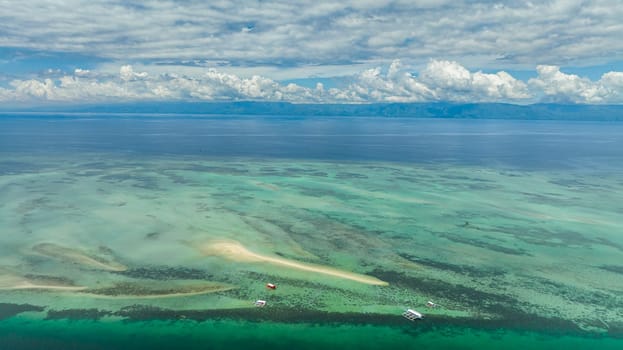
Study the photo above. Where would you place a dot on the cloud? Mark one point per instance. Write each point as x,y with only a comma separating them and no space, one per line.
127,73
321,32
613,85
82,72
451,81
394,86
560,87
132,86
34,88
439,80
6,95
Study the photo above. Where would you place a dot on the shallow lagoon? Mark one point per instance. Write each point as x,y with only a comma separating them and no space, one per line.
512,228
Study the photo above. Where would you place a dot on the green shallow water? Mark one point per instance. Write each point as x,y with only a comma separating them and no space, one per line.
24,333
514,258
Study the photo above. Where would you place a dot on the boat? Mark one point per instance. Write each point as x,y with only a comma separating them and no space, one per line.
260,303
271,286
412,315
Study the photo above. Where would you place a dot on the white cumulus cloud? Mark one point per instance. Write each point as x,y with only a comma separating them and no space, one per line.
439,80
612,85
134,86
127,73
35,88
557,86
395,86
451,81
7,95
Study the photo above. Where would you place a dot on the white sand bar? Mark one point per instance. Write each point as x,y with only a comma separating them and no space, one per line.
235,251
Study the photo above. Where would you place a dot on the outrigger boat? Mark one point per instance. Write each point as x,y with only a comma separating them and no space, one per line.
412,315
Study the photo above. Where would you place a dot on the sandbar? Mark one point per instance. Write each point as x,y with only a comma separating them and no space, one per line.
235,251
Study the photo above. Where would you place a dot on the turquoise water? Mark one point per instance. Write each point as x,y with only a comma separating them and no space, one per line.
226,334
111,232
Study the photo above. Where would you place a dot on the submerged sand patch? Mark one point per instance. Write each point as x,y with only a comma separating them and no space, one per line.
154,290
10,281
233,250
267,186
77,256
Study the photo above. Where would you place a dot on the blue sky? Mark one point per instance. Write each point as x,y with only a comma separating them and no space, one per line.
311,51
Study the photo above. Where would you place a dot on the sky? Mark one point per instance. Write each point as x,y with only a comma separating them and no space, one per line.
311,51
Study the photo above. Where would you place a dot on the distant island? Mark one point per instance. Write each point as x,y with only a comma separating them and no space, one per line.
579,112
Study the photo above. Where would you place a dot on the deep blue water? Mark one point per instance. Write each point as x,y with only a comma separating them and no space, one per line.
522,144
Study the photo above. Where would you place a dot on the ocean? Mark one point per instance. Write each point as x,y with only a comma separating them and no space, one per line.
161,231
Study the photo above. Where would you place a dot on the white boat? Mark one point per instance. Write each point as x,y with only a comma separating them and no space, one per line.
412,315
